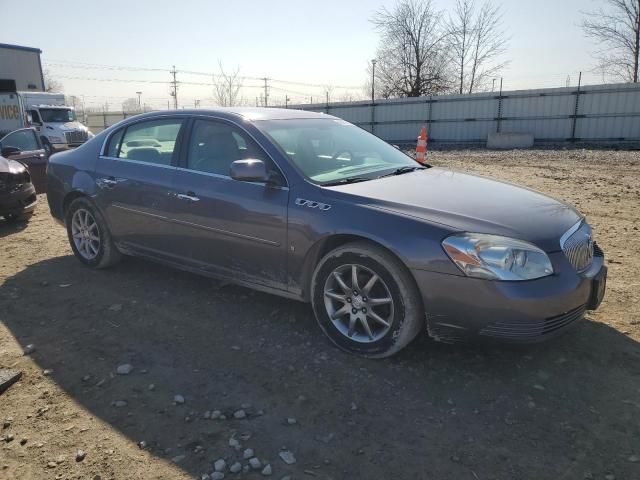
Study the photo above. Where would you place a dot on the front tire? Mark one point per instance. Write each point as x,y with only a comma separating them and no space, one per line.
89,235
366,301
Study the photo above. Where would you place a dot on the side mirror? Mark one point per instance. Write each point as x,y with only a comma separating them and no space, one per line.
8,151
249,171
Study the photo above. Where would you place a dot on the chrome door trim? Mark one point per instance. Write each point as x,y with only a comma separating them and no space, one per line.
137,162
197,225
227,177
227,232
141,212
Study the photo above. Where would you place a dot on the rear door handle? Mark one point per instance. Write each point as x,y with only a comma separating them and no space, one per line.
189,197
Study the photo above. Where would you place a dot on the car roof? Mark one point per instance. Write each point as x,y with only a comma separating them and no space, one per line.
248,113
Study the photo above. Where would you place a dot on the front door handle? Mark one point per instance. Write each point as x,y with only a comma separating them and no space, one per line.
189,197
109,182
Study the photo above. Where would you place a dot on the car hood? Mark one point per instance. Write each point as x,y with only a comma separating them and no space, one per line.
68,126
471,203
10,166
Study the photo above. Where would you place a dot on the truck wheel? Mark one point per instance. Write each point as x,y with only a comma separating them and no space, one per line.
47,145
89,235
366,301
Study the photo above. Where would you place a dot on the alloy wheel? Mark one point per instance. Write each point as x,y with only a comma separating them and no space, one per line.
85,233
359,303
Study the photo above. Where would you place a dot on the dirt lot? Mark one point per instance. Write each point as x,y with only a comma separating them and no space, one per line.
569,409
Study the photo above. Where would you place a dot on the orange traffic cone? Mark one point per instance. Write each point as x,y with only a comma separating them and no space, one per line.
421,149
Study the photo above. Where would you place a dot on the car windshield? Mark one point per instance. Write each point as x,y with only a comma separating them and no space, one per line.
330,150
57,115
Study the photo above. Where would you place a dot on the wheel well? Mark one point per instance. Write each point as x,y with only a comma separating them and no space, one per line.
70,197
320,249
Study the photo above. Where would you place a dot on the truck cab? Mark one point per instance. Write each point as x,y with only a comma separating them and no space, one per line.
57,126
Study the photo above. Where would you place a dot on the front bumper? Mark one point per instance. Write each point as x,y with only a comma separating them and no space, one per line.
18,202
459,308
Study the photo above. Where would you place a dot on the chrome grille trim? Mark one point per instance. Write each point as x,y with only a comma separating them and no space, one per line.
577,245
77,136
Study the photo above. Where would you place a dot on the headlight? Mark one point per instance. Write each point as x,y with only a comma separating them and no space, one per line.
497,258
53,139
90,134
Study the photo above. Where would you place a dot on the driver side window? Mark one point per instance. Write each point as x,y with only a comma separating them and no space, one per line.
214,146
25,140
35,116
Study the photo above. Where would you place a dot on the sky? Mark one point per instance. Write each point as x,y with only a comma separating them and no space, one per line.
318,43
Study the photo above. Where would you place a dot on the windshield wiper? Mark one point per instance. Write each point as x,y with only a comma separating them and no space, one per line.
401,170
344,181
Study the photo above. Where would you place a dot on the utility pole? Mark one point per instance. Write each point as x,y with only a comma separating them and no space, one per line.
266,92
196,104
139,104
174,92
286,101
373,80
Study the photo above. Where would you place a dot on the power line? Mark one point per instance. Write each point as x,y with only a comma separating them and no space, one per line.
90,66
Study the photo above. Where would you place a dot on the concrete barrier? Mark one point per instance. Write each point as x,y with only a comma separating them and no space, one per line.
506,141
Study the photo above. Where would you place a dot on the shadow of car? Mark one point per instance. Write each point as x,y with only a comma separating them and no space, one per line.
433,411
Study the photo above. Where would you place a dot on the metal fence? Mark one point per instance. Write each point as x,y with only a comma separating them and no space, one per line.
591,114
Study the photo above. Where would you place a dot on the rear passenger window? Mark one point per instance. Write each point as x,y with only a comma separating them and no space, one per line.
152,142
114,143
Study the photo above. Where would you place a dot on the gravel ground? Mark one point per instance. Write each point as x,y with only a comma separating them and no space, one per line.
143,372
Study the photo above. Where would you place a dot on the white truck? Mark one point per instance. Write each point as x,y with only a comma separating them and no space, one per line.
54,121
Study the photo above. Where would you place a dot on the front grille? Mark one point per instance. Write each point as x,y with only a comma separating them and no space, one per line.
10,182
518,330
577,245
77,136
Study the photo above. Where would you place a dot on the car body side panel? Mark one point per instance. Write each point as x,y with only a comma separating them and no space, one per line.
236,227
136,203
310,225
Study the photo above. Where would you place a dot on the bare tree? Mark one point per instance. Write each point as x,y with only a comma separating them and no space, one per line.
476,42
411,59
130,105
617,28
51,85
227,88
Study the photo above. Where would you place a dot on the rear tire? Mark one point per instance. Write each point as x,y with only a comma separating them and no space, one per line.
378,316
89,235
